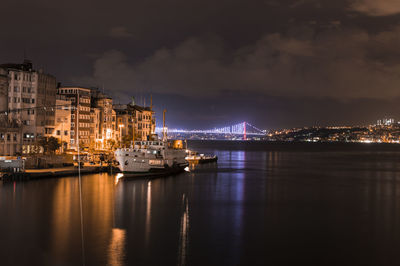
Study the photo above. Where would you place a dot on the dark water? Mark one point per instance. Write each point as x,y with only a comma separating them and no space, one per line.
262,204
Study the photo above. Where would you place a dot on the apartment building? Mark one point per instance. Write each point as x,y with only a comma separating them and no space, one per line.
80,115
107,124
30,103
63,122
134,121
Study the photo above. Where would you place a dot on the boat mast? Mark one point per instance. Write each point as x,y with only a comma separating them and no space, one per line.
134,113
164,130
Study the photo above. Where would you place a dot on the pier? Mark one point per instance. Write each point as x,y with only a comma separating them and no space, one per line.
35,174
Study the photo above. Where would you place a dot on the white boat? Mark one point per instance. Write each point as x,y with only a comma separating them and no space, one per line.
152,157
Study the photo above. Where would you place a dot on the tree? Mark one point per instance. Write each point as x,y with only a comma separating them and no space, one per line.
82,145
92,146
127,140
111,143
49,144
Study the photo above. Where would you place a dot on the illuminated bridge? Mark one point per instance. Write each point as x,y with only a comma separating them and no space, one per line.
243,128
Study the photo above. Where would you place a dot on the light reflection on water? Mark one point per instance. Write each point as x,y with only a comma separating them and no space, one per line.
148,213
184,232
252,206
116,249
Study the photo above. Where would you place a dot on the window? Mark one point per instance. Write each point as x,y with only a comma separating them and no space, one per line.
65,132
58,132
49,130
29,135
33,100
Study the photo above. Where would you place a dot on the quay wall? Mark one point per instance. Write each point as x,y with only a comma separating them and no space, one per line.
48,161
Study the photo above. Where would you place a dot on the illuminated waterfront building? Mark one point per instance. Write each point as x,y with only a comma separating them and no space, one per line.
80,117
31,97
10,136
106,133
9,130
125,118
3,92
95,140
134,120
145,122
63,122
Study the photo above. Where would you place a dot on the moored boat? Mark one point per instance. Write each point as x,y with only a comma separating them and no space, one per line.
194,157
154,157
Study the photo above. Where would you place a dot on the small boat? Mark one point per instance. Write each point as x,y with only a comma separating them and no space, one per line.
194,157
152,158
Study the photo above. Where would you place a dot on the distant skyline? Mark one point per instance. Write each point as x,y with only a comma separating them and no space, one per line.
275,64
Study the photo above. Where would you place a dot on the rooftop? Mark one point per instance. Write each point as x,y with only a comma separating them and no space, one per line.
25,66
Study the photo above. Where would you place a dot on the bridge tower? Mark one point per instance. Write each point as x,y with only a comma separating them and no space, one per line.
244,131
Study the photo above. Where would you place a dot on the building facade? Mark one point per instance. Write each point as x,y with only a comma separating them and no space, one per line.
4,80
145,125
95,140
63,122
80,115
10,131
106,130
30,103
126,119
134,122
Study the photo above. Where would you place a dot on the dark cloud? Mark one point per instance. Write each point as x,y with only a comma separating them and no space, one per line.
342,64
119,32
279,54
377,7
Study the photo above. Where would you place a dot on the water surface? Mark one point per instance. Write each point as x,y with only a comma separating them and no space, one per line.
261,204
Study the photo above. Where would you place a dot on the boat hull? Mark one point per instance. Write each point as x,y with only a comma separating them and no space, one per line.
155,173
202,160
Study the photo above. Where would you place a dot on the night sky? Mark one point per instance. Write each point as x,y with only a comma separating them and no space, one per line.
273,63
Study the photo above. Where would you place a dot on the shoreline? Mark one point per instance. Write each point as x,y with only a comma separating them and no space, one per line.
36,174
